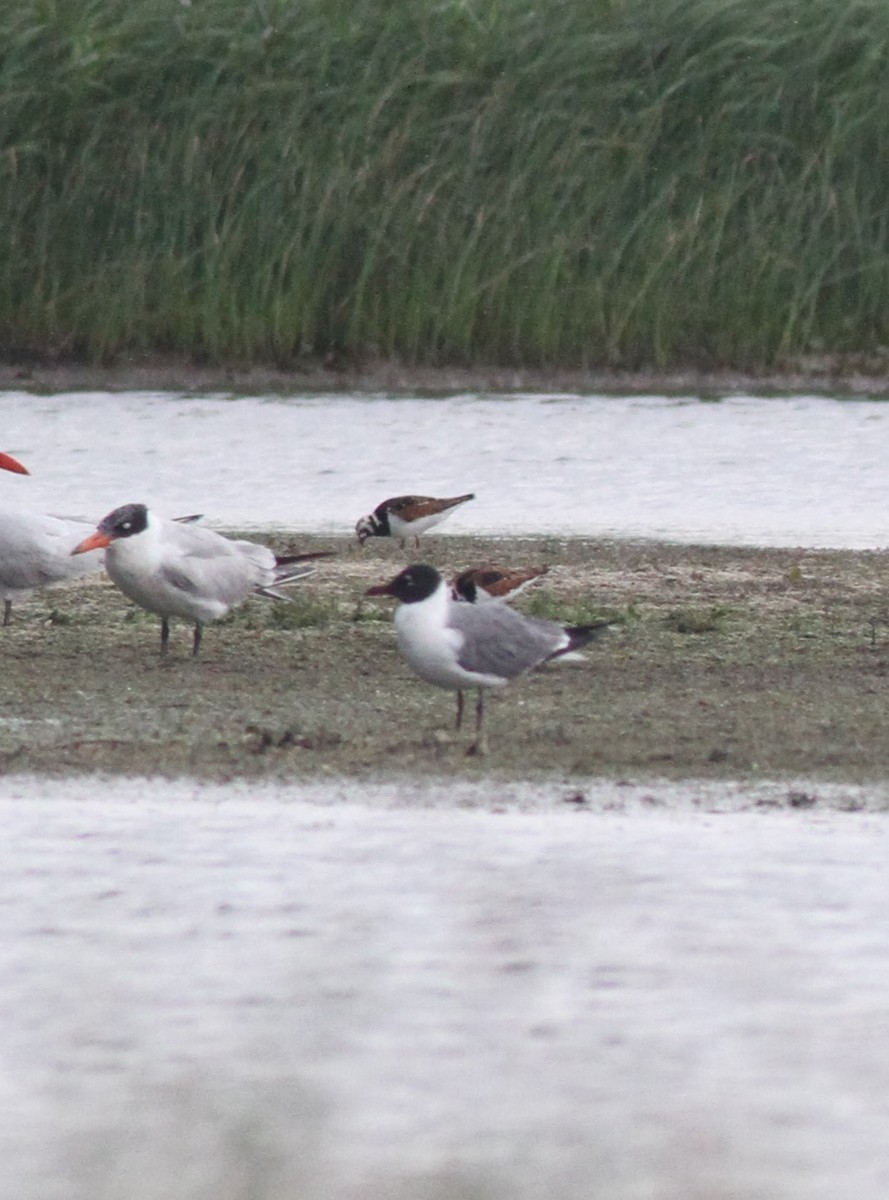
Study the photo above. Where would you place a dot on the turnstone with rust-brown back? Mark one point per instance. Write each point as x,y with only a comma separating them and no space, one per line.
492,582
406,517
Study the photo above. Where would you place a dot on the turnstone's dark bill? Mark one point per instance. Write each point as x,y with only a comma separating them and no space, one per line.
492,582
178,569
8,463
406,517
456,645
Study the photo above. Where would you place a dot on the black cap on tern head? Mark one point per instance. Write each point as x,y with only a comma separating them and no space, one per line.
125,521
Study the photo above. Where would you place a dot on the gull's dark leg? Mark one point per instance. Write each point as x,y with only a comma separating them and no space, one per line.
165,634
480,746
198,634
459,724
7,612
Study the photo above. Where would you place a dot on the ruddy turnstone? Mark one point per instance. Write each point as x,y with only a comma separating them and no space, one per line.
406,517
491,582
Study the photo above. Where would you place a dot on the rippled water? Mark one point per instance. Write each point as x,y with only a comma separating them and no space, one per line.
801,471
331,994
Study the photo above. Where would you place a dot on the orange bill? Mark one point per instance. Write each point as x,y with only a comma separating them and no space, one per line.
95,541
8,463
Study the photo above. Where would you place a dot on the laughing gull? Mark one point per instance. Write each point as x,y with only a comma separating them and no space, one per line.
456,645
492,582
407,516
183,570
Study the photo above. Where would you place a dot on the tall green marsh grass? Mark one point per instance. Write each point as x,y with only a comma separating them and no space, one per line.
572,182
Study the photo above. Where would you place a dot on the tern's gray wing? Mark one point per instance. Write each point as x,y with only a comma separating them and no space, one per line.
190,540
35,549
497,640
205,564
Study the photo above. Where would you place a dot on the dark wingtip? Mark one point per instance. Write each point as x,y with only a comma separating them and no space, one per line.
285,560
581,635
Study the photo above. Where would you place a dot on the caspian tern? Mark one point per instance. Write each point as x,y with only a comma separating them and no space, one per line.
456,645
177,570
404,517
491,582
35,548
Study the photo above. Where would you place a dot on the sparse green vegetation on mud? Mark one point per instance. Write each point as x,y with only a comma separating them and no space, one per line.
723,662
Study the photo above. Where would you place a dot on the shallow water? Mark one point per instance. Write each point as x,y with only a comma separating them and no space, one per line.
405,991
803,471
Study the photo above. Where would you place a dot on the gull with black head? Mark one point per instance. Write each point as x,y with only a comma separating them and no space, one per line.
456,645
183,570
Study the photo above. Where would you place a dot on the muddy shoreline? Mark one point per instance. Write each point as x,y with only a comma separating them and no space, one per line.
813,376
722,663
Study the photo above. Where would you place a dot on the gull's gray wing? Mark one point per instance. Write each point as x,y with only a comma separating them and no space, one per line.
497,640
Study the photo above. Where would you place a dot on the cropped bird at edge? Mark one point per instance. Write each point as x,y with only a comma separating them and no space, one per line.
492,582
8,463
456,645
406,517
182,570
35,548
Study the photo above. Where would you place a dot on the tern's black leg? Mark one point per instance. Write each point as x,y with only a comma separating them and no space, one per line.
165,634
7,612
198,634
459,710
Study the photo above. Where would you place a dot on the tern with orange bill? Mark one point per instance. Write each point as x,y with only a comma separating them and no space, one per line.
187,571
35,548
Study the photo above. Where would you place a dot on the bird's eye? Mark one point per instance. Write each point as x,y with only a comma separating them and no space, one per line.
127,525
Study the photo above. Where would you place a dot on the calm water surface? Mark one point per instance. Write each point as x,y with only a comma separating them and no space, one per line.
802,471
333,993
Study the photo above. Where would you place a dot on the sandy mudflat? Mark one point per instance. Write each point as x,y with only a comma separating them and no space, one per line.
721,663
